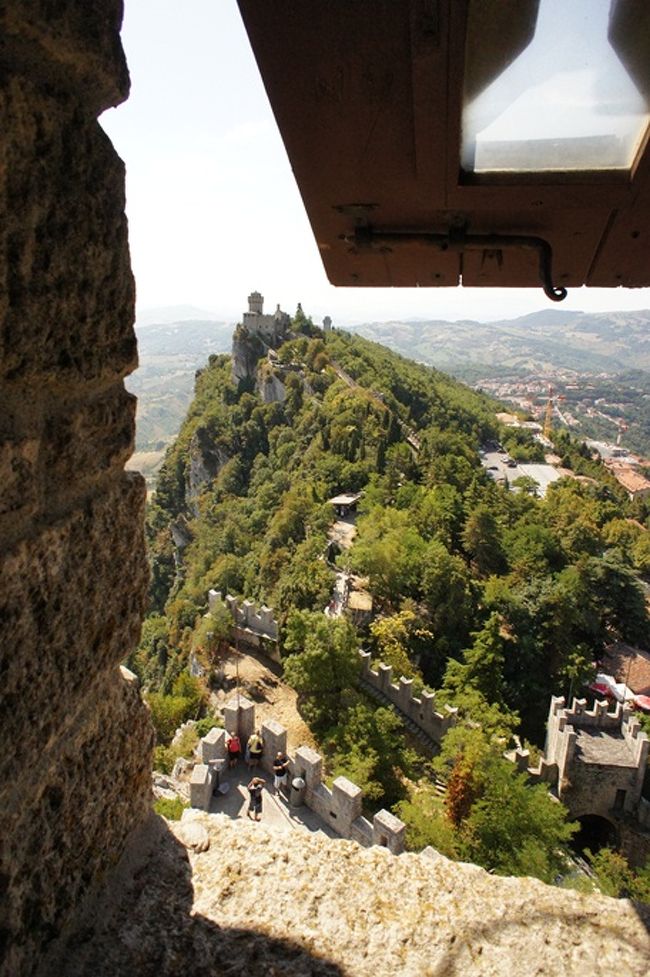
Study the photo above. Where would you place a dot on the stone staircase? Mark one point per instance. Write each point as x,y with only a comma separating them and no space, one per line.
412,726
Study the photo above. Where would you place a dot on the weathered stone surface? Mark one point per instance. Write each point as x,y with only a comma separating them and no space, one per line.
68,293
73,46
75,766
74,810
89,438
193,835
71,605
253,904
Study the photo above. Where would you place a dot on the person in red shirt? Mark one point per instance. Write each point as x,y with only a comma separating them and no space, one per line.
234,749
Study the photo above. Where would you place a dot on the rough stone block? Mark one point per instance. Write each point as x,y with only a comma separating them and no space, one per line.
405,693
389,831
385,673
201,783
83,441
275,741
347,799
308,764
239,717
67,230
19,488
365,658
73,47
212,746
71,604
68,815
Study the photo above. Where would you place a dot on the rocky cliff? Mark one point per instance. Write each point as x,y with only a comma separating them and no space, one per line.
291,903
76,737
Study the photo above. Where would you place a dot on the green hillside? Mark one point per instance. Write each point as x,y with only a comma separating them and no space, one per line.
493,598
550,340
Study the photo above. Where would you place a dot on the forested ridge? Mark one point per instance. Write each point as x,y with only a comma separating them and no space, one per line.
495,599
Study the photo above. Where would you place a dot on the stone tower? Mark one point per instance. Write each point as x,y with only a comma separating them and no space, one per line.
256,303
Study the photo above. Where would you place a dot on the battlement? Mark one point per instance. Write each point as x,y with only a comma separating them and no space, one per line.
339,807
419,709
546,772
267,327
252,623
601,756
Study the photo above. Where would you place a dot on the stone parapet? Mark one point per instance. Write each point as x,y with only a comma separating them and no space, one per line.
340,808
274,736
212,746
419,709
247,614
201,786
239,717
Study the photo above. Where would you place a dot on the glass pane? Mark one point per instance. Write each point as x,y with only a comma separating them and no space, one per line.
566,102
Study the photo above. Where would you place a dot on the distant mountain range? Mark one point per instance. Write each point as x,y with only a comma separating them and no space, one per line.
170,353
587,342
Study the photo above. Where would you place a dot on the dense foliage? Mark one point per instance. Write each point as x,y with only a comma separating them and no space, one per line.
496,598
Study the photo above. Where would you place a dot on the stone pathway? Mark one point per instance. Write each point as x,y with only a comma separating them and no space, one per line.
276,812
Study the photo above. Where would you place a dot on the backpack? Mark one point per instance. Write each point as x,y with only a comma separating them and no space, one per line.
234,745
255,744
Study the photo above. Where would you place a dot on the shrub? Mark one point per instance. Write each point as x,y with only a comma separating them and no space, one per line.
170,809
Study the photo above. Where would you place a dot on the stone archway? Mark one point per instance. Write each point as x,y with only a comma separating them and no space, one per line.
595,832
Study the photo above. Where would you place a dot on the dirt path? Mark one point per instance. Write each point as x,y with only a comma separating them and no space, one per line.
260,680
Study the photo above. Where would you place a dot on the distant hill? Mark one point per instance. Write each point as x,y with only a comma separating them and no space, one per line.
170,354
176,341
551,339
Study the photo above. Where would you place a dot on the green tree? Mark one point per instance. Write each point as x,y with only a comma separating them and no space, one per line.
324,663
501,822
482,541
480,671
390,551
392,636
615,877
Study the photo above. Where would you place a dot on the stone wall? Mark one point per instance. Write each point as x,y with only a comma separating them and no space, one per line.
75,767
256,626
420,709
340,807
589,785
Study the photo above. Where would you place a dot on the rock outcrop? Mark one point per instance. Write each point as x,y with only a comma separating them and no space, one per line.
75,766
255,901
206,459
246,351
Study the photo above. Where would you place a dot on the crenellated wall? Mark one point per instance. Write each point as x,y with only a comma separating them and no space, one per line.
420,709
340,807
255,625
75,764
601,757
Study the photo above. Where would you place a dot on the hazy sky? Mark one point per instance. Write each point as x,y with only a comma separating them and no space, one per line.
214,211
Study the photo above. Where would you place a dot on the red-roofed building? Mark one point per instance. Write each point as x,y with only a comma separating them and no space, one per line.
629,665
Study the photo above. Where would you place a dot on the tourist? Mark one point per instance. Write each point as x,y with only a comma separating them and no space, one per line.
255,803
280,769
234,749
255,749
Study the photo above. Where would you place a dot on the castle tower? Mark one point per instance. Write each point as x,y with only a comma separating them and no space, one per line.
255,303
327,324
